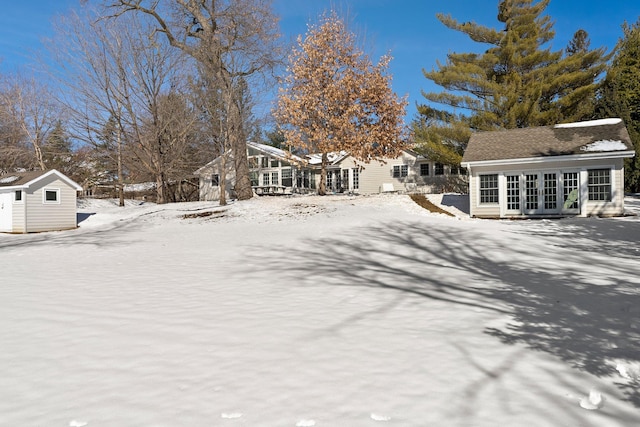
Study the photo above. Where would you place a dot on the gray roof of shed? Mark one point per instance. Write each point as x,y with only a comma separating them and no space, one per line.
19,178
608,135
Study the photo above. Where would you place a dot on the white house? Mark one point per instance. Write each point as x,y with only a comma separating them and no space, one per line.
272,171
276,171
566,169
407,173
37,201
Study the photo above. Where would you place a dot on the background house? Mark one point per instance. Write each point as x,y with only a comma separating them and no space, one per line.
407,173
566,169
272,171
37,201
276,171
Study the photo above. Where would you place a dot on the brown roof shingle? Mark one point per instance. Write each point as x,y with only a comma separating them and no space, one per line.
544,141
21,178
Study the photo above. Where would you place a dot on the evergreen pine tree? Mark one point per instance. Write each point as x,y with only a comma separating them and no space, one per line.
517,82
620,96
57,150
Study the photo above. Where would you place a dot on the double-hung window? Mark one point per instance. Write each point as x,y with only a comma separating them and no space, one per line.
400,171
599,184
424,169
489,189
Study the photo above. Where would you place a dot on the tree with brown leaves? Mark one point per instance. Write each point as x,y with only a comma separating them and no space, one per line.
335,99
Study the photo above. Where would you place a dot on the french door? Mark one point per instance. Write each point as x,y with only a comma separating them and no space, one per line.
540,193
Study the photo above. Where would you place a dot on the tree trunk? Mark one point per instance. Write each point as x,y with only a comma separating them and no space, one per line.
120,178
322,185
160,189
238,142
222,179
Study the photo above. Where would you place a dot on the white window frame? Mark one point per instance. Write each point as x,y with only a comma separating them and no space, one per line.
50,202
496,188
609,184
15,200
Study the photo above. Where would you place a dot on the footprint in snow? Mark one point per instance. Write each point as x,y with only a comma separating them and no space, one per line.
594,401
377,417
231,415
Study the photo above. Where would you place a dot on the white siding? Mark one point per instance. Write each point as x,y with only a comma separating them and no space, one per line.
374,174
50,216
610,208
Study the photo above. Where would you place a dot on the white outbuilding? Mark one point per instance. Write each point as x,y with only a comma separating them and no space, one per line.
37,201
549,171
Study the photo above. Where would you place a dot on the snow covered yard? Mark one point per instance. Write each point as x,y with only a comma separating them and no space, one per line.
335,311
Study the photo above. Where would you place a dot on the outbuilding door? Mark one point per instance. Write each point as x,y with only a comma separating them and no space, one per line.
541,192
6,212
544,193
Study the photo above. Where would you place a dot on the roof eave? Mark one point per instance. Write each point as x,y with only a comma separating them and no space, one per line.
545,159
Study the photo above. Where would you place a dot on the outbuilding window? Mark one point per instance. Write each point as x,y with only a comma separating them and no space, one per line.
424,169
489,189
51,195
599,184
18,197
215,180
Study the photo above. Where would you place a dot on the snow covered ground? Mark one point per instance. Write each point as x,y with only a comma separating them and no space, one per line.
335,311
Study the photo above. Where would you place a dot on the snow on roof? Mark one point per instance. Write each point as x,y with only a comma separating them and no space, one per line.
316,158
9,179
605,145
269,149
588,123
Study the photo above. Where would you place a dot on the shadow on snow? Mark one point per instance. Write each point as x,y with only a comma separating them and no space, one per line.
549,289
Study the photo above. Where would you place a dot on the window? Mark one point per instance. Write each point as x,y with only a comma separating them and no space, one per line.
329,180
18,197
265,178
345,179
254,178
253,163
599,184
274,178
424,169
571,191
274,163
439,169
356,178
455,170
400,171
287,179
215,180
488,189
513,192
264,162
51,195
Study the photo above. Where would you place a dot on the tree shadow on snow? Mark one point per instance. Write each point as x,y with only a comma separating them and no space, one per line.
553,304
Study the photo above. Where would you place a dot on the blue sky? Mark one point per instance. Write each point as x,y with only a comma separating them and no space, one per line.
406,28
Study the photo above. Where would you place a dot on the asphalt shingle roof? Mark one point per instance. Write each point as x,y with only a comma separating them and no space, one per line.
21,178
545,141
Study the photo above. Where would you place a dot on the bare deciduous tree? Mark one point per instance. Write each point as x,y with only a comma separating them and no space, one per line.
230,39
29,109
335,99
120,77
